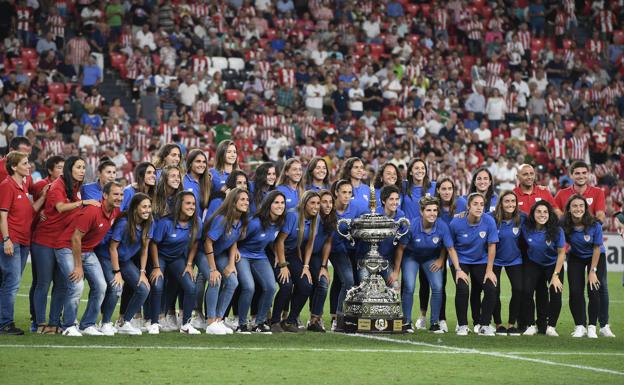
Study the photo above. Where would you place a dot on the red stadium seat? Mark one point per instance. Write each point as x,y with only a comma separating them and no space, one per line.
567,43
618,37
359,47
537,44
569,126
56,88
61,98
29,53
18,60
376,49
231,95
426,9
532,148
541,157
117,59
33,63
271,34
412,9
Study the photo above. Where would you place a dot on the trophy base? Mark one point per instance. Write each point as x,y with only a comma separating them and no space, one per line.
355,324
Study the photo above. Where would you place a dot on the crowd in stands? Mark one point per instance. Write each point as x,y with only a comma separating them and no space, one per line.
460,84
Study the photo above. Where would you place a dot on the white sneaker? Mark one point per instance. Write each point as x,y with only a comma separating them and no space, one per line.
72,331
178,319
198,321
108,329
225,328
421,323
172,321
487,331
334,325
443,326
579,331
145,325
477,327
166,325
91,331
153,329
551,332
231,323
129,329
187,328
138,323
605,331
591,331
530,331
215,329
463,330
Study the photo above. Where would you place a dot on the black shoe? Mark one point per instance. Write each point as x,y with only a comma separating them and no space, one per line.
243,329
289,327
435,328
277,327
316,327
513,331
408,328
501,331
262,329
11,330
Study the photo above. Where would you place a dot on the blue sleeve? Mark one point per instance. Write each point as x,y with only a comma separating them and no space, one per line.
561,241
447,238
492,231
290,223
216,228
83,193
128,193
160,230
598,239
150,235
119,230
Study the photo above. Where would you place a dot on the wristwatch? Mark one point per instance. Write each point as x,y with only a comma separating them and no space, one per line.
595,269
4,239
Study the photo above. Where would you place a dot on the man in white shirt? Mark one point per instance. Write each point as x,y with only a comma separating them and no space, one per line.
188,91
145,37
356,94
368,77
506,176
371,28
483,132
314,93
275,143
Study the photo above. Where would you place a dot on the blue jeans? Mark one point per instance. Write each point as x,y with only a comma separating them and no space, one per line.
97,287
11,267
172,269
344,269
410,268
219,296
261,270
112,292
46,270
319,291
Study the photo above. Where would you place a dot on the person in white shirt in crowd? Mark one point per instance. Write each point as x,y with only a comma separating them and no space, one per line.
314,93
356,94
476,103
276,142
483,132
496,108
145,37
506,176
188,91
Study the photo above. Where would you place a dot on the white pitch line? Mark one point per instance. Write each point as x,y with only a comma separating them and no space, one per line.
492,354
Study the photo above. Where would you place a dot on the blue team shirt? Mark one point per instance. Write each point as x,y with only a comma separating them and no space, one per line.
218,179
411,204
378,197
257,239
340,245
316,188
386,247
320,238
190,184
292,196
128,193
539,250
471,241
507,248
582,242
460,207
173,242
214,204
222,240
361,196
126,249
91,191
291,227
424,246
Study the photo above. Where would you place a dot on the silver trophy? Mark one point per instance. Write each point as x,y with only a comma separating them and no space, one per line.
372,307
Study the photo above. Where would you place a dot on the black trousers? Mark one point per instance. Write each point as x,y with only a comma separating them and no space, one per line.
578,268
536,279
483,314
514,273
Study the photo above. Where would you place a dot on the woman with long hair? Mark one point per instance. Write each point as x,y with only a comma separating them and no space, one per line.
169,155
168,187
290,183
263,181
354,172
236,179
317,174
225,227
474,237
415,187
253,263
483,183
145,182
387,175
586,254
226,161
130,236
545,244
173,249
198,179
61,207
509,220
318,261
293,250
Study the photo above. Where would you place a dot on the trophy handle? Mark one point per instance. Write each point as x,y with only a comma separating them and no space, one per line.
403,222
346,235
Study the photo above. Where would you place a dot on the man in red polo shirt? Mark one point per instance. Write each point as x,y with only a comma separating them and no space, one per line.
579,172
76,259
528,192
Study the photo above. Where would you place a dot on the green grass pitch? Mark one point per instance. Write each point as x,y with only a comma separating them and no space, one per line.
171,358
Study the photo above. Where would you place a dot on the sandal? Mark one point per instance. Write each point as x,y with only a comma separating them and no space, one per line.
48,329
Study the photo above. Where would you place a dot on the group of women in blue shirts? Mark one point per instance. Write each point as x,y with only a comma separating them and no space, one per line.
214,242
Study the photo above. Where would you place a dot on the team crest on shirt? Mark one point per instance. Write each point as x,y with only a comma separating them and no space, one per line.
515,230
101,225
435,240
482,234
586,237
589,201
417,239
538,199
548,243
262,235
19,196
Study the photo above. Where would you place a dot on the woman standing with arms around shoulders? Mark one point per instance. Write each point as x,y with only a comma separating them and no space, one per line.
586,254
353,171
168,155
483,183
253,263
263,182
416,186
545,243
475,237
167,189
387,175
224,228
145,177
226,161
198,179
290,183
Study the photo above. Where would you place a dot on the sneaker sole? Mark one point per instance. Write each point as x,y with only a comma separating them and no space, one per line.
502,334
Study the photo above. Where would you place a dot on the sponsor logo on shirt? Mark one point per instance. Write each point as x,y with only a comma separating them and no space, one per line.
417,239
548,243
101,225
174,235
19,196
537,199
482,234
